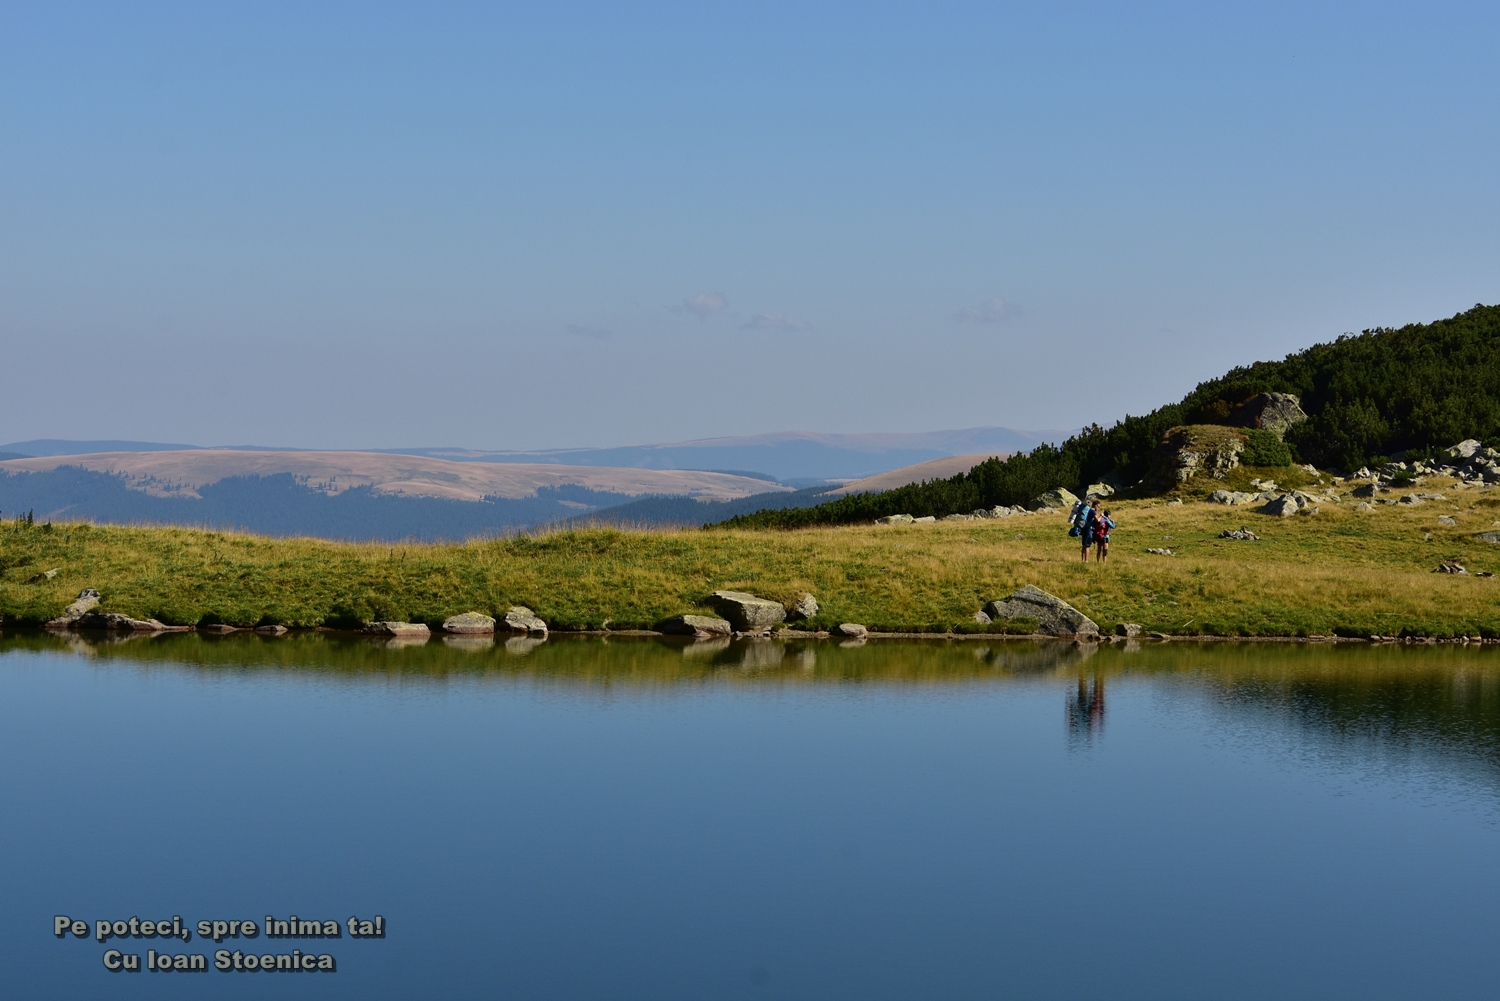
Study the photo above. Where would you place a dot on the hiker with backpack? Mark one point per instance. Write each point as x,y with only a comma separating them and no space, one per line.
1085,522
1102,529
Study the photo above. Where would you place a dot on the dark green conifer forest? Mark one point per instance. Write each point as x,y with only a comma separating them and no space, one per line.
1414,389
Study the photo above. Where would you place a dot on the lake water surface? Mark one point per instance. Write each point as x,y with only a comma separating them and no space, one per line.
590,818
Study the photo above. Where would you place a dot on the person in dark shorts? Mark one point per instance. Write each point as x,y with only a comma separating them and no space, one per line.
1102,525
1088,523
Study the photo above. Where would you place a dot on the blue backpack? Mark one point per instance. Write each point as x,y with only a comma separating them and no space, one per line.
1080,520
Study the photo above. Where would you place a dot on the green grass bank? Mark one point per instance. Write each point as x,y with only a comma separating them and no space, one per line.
1340,571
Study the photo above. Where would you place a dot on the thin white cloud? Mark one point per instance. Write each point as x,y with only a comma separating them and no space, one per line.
589,333
990,311
774,321
703,305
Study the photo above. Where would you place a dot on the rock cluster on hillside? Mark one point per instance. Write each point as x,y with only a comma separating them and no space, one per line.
1469,461
978,514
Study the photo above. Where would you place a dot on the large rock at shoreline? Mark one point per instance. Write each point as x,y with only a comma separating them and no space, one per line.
469,623
401,629
701,626
118,622
746,612
520,619
806,607
87,601
1053,615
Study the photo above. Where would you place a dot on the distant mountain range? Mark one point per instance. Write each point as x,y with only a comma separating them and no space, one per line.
445,493
798,458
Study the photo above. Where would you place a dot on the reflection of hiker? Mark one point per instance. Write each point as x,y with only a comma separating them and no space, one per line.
1102,528
1086,709
1085,521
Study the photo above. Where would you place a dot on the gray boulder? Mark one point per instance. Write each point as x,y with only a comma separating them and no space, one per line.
1053,615
701,626
1061,497
746,612
520,619
852,630
1447,520
982,619
806,607
1466,449
1233,497
1099,490
1240,534
277,630
1493,537
404,629
895,519
926,519
87,601
117,622
45,575
1128,629
1275,412
1283,507
468,624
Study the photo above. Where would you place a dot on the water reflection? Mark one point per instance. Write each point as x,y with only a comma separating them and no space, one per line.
1397,699
1085,709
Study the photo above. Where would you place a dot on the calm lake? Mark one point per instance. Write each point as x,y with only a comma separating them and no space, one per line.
638,818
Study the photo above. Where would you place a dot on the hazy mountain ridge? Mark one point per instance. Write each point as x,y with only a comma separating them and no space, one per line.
184,472
279,505
437,494
784,455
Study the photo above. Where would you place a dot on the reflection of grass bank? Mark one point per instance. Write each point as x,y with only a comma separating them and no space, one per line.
1340,570
1464,675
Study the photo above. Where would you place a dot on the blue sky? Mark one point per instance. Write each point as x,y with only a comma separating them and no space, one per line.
500,226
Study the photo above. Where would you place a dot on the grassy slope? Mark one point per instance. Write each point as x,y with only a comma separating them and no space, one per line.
1338,570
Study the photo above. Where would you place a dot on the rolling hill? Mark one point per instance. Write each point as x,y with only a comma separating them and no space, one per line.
1411,390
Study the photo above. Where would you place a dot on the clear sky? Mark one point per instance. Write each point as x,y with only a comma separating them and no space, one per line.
525,226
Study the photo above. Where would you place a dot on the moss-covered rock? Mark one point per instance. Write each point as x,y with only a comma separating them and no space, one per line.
1194,450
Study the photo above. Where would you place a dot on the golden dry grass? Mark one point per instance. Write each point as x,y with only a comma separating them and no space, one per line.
1337,571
